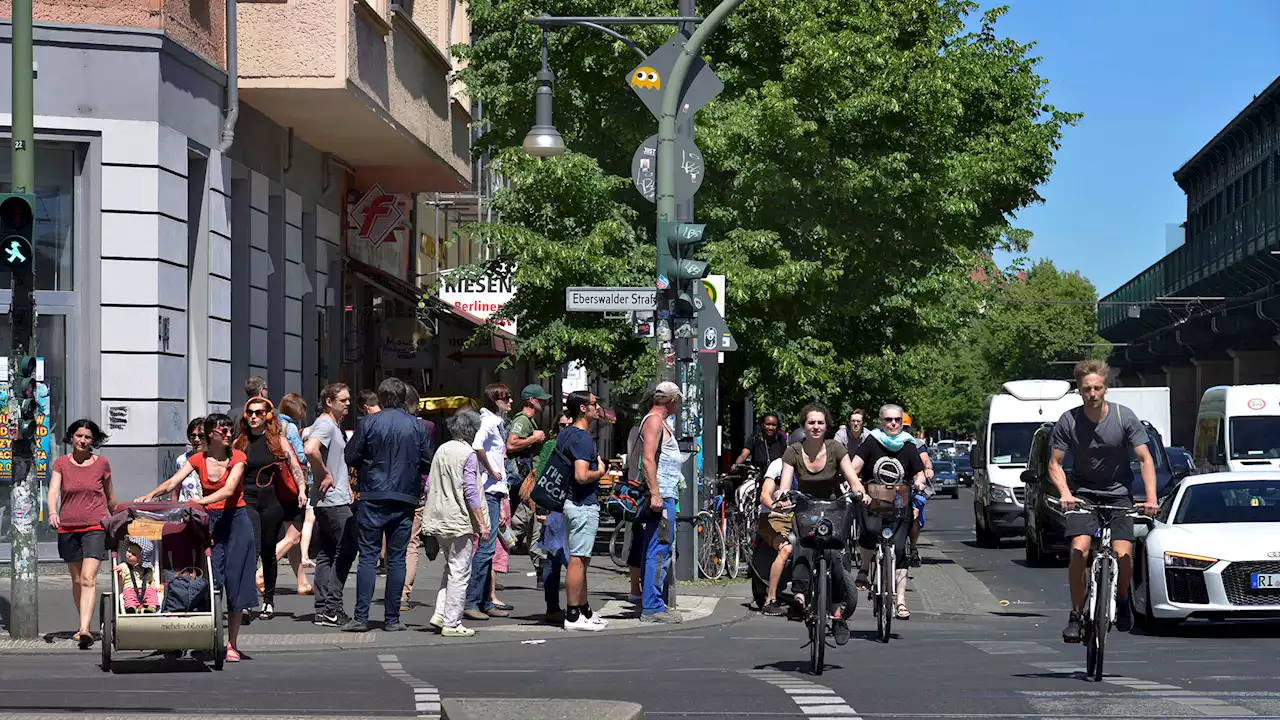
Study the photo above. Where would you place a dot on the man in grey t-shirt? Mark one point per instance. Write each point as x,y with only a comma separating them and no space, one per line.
1099,436
335,529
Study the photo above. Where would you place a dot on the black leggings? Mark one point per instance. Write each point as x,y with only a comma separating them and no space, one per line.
805,563
267,516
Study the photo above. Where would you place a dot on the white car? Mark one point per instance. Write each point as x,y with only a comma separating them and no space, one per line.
1213,552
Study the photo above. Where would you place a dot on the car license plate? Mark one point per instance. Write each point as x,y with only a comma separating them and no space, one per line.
1265,581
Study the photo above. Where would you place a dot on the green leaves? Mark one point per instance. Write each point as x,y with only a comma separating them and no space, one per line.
862,160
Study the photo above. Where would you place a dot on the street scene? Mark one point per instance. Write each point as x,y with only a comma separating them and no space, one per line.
691,359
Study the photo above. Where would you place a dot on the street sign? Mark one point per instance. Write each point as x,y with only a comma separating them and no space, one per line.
689,175
713,332
607,299
648,79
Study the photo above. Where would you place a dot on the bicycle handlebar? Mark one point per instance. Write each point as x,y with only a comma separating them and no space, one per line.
1084,506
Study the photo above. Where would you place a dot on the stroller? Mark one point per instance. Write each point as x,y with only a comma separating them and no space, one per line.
191,615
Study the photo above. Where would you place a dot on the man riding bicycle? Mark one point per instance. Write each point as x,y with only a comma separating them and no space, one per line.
888,454
1099,436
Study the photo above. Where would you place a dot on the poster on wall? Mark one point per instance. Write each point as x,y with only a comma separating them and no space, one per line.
44,439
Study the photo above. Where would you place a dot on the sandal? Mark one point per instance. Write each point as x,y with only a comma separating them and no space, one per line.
903,613
84,640
233,655
307,590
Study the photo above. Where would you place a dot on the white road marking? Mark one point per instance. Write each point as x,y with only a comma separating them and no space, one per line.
816,701
426,698
1172,693
1009,647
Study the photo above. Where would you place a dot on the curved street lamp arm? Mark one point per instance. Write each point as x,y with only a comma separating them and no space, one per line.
616,36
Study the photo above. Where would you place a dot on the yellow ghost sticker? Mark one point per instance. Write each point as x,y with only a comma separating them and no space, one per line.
646,77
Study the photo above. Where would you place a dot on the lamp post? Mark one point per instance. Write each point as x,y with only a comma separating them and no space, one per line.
543,140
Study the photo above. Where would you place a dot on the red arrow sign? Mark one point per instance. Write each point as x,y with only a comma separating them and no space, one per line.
475,354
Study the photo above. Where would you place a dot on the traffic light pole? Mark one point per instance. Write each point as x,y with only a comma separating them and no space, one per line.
24,498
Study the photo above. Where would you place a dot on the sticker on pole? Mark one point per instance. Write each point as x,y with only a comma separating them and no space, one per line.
663,282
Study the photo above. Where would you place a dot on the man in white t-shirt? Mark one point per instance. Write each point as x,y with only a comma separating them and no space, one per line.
490,445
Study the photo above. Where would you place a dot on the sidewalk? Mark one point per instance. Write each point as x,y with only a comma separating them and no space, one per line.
701,604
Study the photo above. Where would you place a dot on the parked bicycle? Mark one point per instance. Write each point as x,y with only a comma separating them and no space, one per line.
1100,601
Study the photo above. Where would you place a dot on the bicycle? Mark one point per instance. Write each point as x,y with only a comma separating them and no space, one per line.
711,540
1100,600
824,526
890,504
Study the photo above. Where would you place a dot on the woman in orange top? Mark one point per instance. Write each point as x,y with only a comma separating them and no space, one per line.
221,472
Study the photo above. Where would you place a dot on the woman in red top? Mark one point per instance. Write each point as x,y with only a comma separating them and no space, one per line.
221,473
80,497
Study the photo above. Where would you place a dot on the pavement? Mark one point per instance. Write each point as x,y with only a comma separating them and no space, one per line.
983,642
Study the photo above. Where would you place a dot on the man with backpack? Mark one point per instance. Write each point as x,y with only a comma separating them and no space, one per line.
524,442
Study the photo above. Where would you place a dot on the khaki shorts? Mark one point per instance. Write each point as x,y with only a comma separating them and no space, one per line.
774,526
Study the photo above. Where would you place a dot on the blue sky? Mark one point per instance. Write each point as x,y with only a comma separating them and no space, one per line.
1155,79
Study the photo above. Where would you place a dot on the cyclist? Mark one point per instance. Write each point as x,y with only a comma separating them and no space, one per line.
1099,435
817,466
918,499
889,454
774,528
766,444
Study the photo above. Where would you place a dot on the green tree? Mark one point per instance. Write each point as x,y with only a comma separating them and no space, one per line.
861,156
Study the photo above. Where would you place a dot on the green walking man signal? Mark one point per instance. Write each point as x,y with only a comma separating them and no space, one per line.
676,245
17,225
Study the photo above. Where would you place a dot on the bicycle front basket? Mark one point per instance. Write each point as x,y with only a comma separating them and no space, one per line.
809,513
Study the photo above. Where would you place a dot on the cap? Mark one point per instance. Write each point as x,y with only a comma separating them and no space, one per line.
668,389
906,419
535,391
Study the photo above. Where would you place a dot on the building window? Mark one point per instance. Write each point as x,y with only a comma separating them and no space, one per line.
55,214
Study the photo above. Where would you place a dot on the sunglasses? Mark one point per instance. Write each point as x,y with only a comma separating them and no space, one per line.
891,420
256,412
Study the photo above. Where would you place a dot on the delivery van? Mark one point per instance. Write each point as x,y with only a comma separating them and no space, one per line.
1238,428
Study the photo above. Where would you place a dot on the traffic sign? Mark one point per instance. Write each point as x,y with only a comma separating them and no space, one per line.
713,332
608,299
690,169
648,79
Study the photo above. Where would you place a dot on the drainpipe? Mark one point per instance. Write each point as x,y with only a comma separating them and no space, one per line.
233,82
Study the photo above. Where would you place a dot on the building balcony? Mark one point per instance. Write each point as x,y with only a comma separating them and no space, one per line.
370,81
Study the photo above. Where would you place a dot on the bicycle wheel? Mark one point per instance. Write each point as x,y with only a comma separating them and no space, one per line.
733,559
618,545
1102,612
874,575
821,611
710,546
888,592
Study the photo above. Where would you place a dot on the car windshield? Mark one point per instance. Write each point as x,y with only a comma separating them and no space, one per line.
1011,442
1229,502
943,467
1255,438
1157,457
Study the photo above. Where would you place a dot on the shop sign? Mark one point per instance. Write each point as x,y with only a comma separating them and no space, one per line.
377,215
405,343
480,297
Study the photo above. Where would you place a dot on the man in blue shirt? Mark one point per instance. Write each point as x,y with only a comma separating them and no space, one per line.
582,507
391,451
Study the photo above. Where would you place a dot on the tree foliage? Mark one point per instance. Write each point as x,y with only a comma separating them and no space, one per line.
862,160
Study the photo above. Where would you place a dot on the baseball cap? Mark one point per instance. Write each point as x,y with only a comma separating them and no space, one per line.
668,389
535,391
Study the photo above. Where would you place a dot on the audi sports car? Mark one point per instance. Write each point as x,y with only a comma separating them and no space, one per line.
1213,552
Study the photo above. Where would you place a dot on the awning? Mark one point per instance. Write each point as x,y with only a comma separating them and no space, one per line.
389,284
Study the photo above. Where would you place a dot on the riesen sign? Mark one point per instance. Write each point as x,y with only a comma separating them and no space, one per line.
481,297
603,299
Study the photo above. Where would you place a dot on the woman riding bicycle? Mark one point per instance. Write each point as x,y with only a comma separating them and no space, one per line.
817,466
889,456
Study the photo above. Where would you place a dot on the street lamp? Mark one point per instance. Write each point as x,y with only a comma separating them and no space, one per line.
543,139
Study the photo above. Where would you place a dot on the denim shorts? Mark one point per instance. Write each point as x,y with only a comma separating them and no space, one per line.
584,521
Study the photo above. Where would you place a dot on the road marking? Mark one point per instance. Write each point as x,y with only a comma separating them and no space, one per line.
816,701
1009,647
426,698
1172,693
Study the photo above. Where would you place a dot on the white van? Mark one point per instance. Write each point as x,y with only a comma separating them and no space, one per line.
1238,428
1009,421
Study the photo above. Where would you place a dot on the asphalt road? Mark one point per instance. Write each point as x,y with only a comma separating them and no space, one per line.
1003,662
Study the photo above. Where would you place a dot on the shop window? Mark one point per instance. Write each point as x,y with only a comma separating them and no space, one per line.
55,214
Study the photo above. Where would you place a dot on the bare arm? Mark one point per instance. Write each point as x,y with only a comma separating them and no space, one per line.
110,491
651,434
516,443
234,476
312,450
767,489
583,473
483,459
743,456
784,483
53,500
850,475
295,469
169,485
1058,477
1150,506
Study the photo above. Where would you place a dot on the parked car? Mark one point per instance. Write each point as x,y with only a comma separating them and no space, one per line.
1180,459
964,471
1045,522
1213,552
944,478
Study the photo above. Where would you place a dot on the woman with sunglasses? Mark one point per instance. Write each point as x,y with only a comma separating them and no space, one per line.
221,472
267,456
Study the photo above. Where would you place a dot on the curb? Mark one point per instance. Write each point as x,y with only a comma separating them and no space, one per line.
539,709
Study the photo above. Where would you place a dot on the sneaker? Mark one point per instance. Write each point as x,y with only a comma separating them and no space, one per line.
473,614
395,626
1124,615
496,611
915,557
1072,633
356,626
437,621
597,619
582,623
336,620
457,631
666,617
773,608
840,631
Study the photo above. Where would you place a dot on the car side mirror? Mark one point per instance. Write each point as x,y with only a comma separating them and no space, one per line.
1179,475
1215,456
1028,476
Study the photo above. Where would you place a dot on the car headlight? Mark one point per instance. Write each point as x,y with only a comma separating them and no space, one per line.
1187,560
1000,494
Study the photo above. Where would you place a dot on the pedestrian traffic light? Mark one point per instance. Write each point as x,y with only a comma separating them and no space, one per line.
676,245
17,225
27,390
